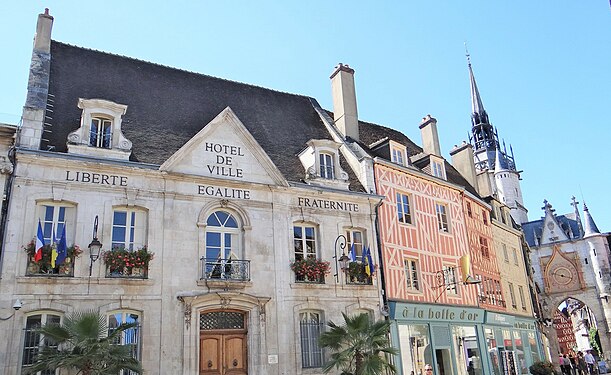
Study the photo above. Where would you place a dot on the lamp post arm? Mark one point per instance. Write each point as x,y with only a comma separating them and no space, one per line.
340,242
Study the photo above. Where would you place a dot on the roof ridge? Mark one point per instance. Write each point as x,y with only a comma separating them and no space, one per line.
179,69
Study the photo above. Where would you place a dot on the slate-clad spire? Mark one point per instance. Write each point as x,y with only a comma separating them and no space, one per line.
500,163
574,203
590,226
478,113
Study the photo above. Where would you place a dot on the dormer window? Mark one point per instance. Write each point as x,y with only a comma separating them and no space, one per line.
100,134
326,166
321,162
436,169
397,153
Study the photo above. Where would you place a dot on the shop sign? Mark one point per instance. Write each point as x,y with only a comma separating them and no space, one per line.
524,324
499,319
429,313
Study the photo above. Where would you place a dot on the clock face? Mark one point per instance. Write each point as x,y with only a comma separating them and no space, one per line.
562,275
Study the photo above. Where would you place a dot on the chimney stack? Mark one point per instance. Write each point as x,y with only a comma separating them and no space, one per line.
462,160
33,115
430,138
344,101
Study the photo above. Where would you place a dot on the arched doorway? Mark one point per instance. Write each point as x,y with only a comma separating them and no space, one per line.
223,343
576,327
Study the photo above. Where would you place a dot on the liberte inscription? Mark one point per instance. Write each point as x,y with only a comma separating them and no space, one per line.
96,178
225,155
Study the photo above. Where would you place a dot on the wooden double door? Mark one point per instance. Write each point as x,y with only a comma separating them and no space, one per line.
223,352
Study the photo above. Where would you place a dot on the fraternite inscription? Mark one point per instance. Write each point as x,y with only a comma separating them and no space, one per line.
327,204
224,157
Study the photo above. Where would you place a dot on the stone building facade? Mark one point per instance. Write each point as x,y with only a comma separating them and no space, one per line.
241,193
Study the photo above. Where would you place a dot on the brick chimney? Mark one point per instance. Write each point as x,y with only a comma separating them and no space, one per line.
344,101
462,160
430,139
33,115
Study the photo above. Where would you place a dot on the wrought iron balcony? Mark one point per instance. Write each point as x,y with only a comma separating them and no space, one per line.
224,269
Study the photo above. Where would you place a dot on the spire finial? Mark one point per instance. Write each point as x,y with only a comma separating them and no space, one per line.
467,54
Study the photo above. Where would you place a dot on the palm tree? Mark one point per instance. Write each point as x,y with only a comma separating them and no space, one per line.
360,347
84,343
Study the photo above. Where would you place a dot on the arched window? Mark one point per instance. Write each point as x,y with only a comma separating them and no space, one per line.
222,236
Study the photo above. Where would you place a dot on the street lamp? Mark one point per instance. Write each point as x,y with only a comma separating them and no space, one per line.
340,242
95,246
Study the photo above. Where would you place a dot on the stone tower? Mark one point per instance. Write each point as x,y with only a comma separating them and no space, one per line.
495,167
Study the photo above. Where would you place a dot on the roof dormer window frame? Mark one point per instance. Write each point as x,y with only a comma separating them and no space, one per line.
322,163
398,153
100,134
437,166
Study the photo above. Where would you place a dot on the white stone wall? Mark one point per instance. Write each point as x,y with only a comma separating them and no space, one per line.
172,297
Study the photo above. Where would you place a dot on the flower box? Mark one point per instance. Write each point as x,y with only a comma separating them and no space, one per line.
356,274
310,270
43,267
122,263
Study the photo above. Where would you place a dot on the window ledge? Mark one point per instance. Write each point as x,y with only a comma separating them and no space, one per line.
81,280
224,284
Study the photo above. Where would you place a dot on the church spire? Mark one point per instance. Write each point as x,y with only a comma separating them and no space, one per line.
478,113
590,226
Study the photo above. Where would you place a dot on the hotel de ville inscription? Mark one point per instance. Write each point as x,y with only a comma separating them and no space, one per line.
224,158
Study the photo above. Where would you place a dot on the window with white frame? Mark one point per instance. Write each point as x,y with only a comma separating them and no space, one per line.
437,169
403,208
450,279
222,236
128,228
522,298
355,237
397,156
412,278
304,241
100,132
33,341
326,166
442,217
310,328
130,337
53,217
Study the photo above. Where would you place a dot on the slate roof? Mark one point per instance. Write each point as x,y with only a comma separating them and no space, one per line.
168,106
370,133
535,228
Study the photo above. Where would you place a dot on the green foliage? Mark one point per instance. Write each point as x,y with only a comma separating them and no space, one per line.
593,333
82,343
542,368
310,268
119,259
359,347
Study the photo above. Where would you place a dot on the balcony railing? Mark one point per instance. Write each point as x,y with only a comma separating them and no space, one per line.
224,269
310,280
43,268
127,272
356,274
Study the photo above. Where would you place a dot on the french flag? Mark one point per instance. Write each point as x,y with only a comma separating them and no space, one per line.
40,242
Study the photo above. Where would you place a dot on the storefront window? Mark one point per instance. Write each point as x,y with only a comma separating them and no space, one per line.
532,341
519,349
493,351
466,351
508,355
415,348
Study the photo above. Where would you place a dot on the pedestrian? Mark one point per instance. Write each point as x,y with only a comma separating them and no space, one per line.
573,364
590,361
582,367
565,365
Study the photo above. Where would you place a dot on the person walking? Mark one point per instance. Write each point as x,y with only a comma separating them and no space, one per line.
590,361
565,366
582,367
573,364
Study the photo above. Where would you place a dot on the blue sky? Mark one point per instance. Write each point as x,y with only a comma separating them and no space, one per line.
543,67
